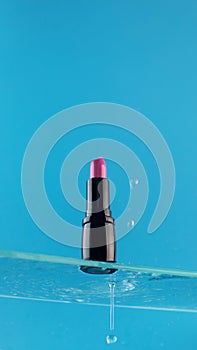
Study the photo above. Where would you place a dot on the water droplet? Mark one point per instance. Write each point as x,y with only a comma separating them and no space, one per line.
111,339
133,182
131,224
127,285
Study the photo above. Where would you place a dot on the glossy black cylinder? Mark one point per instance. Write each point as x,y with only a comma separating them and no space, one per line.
98,237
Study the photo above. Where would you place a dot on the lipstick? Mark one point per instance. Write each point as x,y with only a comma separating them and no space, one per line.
98,236
98,168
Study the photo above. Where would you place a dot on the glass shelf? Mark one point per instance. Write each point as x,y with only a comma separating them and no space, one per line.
59,279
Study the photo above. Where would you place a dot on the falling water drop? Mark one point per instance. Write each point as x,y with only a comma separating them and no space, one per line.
111,338
131,224
133,183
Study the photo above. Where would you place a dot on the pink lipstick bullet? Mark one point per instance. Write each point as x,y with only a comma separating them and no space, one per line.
98,168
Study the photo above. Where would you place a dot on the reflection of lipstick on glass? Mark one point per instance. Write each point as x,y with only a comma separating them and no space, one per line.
98,240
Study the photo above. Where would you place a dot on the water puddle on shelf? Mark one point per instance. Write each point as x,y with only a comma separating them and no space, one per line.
58,279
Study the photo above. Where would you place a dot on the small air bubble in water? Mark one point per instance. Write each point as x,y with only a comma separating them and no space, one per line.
111,339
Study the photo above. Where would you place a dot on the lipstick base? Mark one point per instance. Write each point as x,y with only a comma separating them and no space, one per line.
98,244
97,270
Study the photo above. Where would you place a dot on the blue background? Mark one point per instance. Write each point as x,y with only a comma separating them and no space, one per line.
58,54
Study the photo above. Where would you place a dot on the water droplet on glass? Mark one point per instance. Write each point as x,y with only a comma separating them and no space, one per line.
111,339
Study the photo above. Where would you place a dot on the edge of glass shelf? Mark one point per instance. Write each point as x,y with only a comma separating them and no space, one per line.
79,262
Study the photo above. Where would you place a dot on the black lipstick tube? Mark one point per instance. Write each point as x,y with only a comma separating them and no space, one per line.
98,237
